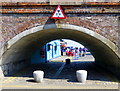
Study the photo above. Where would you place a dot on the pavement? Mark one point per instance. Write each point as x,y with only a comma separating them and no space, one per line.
59,75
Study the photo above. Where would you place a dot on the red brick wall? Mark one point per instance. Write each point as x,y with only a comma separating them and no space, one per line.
106,25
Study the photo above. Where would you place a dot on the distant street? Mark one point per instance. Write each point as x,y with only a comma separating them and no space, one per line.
58,75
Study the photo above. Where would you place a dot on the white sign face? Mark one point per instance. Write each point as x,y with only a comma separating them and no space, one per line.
58,13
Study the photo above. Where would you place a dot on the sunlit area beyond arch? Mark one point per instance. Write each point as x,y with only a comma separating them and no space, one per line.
68,50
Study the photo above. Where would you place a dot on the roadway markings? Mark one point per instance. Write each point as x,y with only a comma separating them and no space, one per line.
59,71
112,83
10,79
58,87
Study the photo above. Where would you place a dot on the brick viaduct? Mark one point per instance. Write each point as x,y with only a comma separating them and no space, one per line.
26,25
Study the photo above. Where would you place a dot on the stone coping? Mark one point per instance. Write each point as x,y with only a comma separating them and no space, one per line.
29,3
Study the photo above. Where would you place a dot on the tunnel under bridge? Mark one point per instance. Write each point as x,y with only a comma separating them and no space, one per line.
17,52
24,29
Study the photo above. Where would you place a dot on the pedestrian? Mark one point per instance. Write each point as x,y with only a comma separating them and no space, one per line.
84,51
67,51
80,51
76,53
62,50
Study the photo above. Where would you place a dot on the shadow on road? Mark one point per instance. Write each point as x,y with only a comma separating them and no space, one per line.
68,72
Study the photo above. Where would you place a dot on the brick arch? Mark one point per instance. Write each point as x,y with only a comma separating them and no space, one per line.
78,21
26,41
74,21
65,26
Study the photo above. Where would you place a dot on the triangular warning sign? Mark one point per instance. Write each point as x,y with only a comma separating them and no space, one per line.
58,13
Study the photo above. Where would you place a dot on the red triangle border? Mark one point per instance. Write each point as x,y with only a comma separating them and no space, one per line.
58,17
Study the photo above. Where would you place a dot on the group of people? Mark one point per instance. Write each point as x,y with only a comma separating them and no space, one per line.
77,52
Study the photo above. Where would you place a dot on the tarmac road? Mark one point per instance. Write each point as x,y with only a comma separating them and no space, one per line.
59,75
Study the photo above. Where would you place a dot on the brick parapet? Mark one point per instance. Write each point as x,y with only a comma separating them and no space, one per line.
67,9
71,11
48,3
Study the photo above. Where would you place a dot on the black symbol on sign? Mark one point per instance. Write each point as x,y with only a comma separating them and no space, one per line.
58,11
58,14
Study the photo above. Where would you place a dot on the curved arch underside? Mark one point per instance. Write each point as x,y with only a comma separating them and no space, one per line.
23,45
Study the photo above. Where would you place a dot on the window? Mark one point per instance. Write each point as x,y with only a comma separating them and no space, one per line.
49,47
55,49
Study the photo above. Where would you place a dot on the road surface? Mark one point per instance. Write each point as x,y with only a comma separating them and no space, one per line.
59,75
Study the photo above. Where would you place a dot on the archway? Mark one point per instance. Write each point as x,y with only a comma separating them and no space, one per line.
21,47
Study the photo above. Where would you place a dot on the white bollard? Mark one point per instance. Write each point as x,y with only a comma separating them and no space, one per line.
81,75
38,75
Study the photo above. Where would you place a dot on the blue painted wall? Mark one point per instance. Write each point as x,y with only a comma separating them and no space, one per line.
36,57
47,52
53,49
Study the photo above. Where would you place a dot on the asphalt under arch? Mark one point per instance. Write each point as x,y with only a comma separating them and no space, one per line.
22,46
